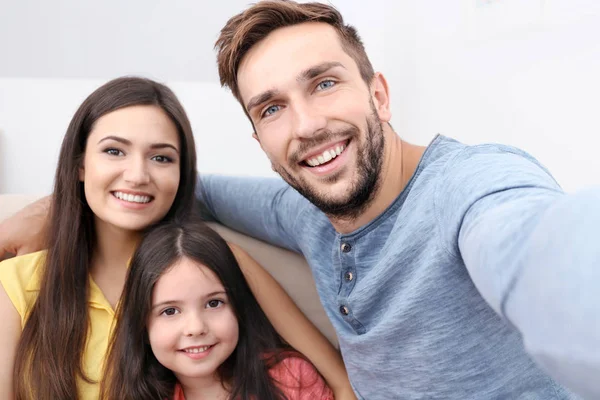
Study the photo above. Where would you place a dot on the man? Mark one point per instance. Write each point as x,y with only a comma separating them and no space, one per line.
443,269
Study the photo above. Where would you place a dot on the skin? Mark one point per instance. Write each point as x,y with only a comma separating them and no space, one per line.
190,309
304,94
134,150
10,331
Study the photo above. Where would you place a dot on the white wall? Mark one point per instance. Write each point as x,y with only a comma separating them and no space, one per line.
521,72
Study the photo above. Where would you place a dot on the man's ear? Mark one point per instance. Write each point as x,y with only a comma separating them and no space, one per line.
381,97
255,136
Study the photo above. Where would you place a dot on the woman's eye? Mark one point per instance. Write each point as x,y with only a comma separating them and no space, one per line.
271,110
214,304
326,84
162,159
113,152
170,311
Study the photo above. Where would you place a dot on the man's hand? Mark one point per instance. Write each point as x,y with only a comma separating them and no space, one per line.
25,231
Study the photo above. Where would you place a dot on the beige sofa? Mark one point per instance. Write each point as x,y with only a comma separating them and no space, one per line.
290,269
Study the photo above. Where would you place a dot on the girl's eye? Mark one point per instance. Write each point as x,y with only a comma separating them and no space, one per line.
214,303
162,159
113,152
170,311
271,110
326,84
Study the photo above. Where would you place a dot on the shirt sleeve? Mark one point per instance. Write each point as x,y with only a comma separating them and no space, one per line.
299,380
264,208
533,253
20,276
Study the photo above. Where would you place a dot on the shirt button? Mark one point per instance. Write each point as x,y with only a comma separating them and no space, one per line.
344,310
346,248
348,276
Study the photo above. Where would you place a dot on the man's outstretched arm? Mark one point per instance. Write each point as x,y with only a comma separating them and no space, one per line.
533,253
553,295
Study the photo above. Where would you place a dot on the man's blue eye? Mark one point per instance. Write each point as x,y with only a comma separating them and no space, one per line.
326,84
271,110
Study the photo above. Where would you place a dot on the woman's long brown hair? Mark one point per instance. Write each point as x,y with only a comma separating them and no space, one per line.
52,344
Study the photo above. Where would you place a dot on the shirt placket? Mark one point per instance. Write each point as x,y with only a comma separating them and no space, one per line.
348,277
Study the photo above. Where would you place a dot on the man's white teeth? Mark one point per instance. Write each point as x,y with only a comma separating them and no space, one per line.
132,198
197,350
326,156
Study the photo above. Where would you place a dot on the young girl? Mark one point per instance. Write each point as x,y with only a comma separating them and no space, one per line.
205,336
127,162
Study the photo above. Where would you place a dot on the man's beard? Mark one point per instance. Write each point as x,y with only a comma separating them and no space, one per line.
368,171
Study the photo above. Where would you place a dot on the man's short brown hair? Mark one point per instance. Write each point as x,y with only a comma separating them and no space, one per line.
254,24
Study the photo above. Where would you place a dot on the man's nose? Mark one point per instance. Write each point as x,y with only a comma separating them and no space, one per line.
307,120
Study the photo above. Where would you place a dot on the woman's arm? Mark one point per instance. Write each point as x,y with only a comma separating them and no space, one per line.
10,332
293,326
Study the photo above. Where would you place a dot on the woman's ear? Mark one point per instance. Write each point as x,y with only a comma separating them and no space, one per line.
81,169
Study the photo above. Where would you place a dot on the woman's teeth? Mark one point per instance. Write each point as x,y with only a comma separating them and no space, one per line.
132,198
326,156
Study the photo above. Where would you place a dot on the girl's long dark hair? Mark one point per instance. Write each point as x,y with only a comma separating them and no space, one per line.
132,371
54,337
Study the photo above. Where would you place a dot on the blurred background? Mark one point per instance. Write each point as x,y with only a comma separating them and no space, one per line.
519,72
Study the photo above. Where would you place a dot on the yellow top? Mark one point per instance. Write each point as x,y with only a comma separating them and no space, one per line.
20,277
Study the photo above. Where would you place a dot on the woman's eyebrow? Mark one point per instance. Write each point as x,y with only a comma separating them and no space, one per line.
128,143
